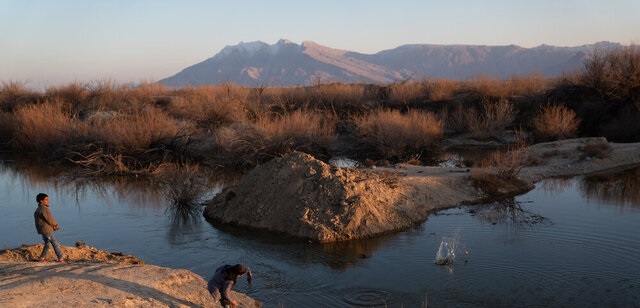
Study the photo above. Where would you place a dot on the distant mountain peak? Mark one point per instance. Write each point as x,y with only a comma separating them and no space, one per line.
286,63
285,42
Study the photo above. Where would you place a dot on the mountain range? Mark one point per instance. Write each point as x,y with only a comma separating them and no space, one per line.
286,63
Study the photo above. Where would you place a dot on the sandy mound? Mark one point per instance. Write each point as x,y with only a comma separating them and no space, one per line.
304,197
96,278
80,253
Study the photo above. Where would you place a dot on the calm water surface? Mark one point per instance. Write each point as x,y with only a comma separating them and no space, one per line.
568,243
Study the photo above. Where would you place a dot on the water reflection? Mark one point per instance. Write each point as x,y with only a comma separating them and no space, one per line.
617,188
556,185
509,212
344,254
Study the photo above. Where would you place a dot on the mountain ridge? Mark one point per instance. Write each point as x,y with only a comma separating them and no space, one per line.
286,63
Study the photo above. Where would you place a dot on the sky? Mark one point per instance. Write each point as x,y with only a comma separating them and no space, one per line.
45,43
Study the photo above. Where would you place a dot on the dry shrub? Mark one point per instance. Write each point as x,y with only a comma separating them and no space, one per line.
555,122
120,144
45,128
440,89
406,93
507,164
300,130
183,185
486,87
289,98
72,94
497,187
492,117
239,145
249,144
529,85
130,133
207,110
336,95
614,73
106,95
15,94
498,174
148,90
397,135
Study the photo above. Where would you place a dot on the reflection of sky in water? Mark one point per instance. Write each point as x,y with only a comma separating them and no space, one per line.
583,254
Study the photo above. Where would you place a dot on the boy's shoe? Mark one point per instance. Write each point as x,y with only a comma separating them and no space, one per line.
62,261
42,260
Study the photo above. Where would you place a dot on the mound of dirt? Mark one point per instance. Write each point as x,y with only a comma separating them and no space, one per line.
304,197
307,198
80,253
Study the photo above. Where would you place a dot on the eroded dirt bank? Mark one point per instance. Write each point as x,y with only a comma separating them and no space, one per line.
304,197
96,278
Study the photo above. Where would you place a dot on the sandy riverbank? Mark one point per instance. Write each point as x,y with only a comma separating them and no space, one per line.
95,278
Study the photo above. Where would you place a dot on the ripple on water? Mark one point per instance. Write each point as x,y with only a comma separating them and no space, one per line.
367,297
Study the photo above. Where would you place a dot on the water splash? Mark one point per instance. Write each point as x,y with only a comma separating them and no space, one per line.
447,251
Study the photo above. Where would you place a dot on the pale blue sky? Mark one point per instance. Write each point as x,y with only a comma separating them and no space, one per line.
53,42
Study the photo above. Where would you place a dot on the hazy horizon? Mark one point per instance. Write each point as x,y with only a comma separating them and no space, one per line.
48,43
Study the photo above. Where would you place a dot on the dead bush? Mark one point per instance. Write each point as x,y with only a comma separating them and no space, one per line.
397,135
498,174
555,122
482,122
336,95
239,145
184,186
497,187
406,93
440,89
45,129
301,130
15,94
614,73
275,136
131,133
208,112
72,95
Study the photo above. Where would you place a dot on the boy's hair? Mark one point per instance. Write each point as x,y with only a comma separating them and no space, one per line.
239,269
41,197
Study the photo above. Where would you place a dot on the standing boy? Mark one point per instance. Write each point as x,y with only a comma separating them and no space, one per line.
45,225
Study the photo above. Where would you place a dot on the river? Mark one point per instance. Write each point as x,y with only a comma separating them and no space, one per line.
569,242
